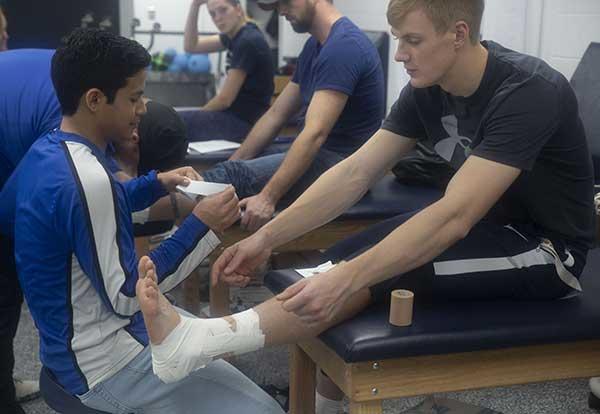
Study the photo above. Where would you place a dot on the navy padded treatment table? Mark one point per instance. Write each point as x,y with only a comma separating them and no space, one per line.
450,346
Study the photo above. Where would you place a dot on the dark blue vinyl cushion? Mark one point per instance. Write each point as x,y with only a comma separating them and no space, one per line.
60,400
464,326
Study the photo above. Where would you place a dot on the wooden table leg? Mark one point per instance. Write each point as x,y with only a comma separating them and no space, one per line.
302,382
370,407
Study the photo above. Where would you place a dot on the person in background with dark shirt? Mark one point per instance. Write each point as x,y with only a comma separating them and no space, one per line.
246,94
338,86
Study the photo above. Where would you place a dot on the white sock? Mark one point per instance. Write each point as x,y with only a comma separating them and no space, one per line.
196,342
324,405
595,386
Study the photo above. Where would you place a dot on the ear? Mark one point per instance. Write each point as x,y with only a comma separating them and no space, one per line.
135,137
461,33
94,99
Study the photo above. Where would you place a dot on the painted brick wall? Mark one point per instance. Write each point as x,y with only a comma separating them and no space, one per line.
559,31
504,21
556,30
567,29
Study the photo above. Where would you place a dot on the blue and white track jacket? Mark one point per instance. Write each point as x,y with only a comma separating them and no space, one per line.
76,259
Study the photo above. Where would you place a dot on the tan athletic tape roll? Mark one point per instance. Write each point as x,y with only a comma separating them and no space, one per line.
401,307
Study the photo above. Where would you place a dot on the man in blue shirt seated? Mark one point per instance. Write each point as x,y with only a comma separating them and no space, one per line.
338,87
74,246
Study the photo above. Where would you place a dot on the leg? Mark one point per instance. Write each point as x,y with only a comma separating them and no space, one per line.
218,388
7,387
278,326
248,176
181,345
10,311
594,398
492,262
281,327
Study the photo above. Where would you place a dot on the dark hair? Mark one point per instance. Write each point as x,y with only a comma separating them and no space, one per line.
94,58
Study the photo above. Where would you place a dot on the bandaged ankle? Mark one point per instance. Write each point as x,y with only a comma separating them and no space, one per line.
196,342
247,323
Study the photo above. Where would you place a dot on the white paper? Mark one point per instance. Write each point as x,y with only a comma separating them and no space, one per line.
322,268
201,188
211,146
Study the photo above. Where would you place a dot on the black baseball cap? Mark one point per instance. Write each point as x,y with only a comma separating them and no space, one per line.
163,139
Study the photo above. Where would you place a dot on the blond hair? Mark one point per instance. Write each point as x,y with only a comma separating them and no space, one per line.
443,13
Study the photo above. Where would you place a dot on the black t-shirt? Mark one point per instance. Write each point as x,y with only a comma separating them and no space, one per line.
249,51
524,114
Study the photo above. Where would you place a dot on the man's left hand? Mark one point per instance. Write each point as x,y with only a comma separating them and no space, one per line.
317,299
258,211
178,176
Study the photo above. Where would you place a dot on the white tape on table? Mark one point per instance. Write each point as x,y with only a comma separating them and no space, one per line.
322,268
212,145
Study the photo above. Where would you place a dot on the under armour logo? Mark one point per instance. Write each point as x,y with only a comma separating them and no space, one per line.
446,147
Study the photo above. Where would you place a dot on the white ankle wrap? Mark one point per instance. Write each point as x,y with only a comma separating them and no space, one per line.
196,342
247,323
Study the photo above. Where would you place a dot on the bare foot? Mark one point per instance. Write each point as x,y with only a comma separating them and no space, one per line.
159,315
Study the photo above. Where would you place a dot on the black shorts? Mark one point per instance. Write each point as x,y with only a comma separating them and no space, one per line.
492,262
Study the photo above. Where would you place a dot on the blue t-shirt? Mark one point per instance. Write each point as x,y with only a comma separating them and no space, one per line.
348,63
249,51
28,104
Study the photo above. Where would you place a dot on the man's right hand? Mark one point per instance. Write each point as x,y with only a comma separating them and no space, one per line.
219,211
237,263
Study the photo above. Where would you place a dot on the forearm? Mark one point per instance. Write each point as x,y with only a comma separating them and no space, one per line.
144,191
332,194
181,253
297,161
415,243
190,36
260,136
